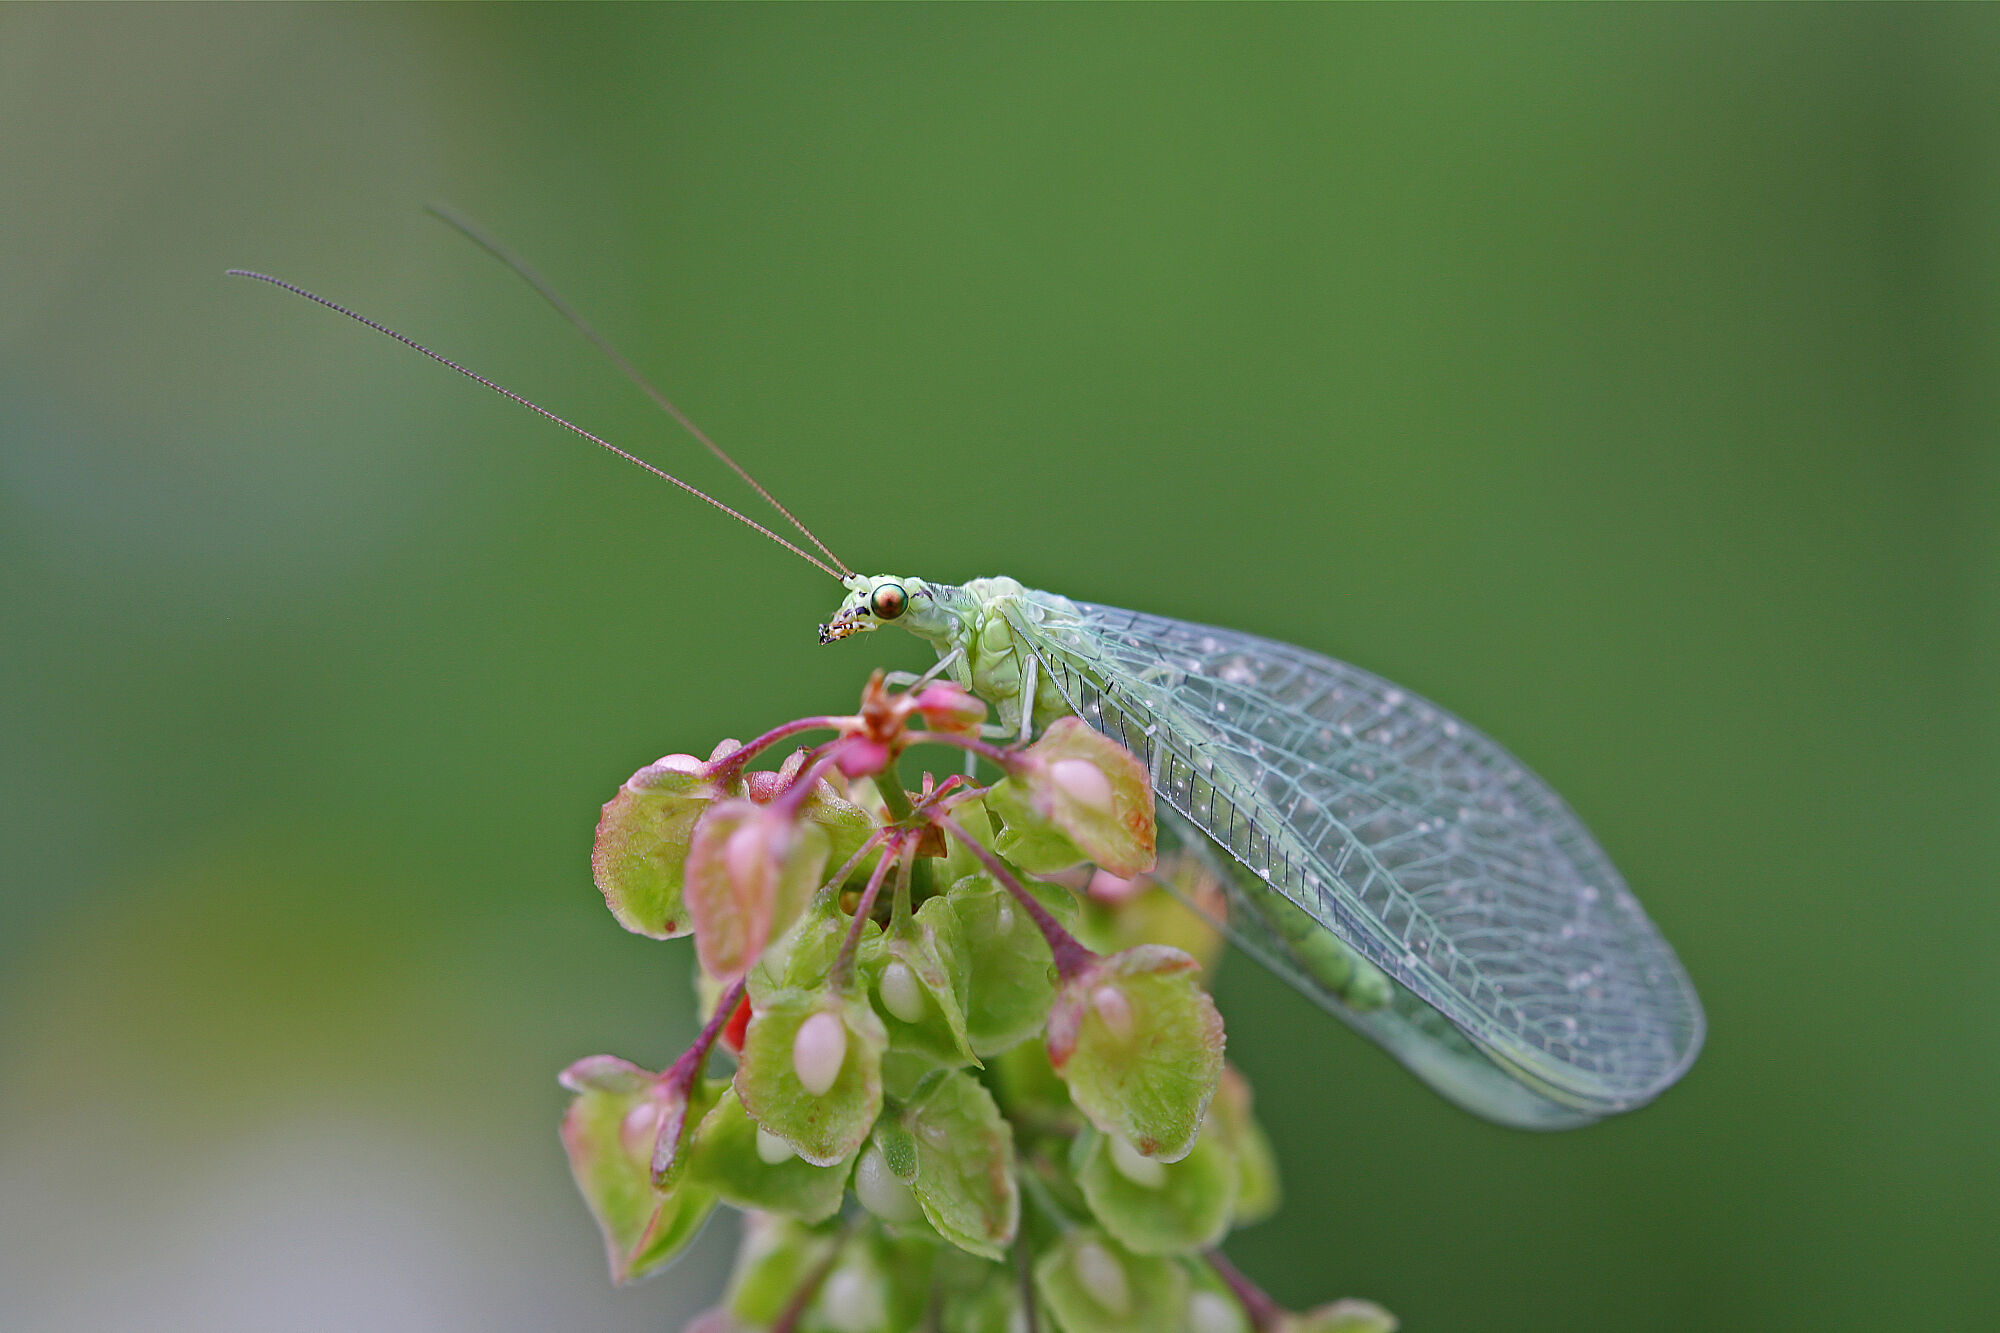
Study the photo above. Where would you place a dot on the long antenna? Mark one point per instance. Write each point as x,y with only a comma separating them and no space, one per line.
492,245
540,411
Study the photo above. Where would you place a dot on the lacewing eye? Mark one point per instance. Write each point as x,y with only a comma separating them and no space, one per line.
888,601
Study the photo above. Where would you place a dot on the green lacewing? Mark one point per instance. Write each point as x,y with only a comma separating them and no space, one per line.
1384,857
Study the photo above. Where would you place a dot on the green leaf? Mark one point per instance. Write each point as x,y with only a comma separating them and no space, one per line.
1028,1087
1140,1045
609,1132
827,1128
964,1177
1011,977
727,1158
1177,905
1093,1285
1155,1207
802,958
640,856
845,824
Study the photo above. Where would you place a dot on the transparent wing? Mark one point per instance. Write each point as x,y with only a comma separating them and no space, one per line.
1417,841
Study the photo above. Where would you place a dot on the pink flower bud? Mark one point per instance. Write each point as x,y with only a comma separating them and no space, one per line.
818,1051
861,758
946,707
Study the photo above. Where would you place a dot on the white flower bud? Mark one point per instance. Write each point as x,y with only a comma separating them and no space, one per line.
881,1192
818,1052
900,992
1103,1277
853,1301
772,1150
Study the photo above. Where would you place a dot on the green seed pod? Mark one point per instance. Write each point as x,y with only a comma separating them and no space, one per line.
918,974
776,1258
1011,973
1230,1118
1095,792
964,1176
1349,1316
1140,1045
731,1156
1094,1285
1155,1207
789,1040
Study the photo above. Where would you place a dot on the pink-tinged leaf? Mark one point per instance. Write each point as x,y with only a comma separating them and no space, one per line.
750,871
610,1137
606,1073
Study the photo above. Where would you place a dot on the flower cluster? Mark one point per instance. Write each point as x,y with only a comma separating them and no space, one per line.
979,1085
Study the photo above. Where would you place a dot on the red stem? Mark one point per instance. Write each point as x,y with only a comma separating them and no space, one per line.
1071,957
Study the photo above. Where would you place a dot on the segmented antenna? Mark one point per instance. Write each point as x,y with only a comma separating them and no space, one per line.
492,245
574,429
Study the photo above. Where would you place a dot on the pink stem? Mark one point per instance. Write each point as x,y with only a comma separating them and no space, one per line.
732,763
875,839
1006,760
801,787
957,786
795,1308
1071,957
843,966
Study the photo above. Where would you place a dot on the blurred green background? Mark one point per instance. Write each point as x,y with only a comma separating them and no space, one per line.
1625,379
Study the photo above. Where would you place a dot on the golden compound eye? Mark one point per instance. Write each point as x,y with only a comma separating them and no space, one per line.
888,601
